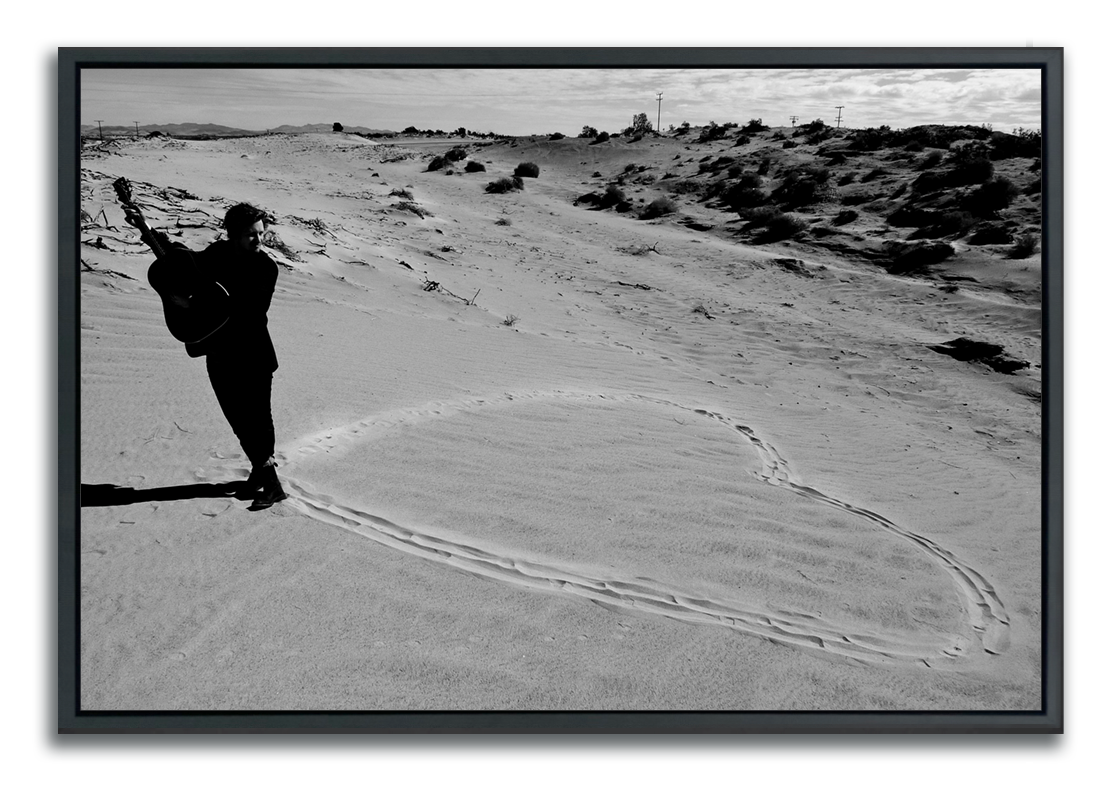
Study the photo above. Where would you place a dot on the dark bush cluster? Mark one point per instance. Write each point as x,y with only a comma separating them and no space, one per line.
474,167
991,234
504,185
908,258
714,131
613,197
780,227
557,136
1024,143
990,197
527,169
801,187
946,224
602,137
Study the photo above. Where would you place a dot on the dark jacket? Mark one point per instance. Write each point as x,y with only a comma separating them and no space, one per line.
244,341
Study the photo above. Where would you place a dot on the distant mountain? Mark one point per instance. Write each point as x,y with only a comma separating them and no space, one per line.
217,130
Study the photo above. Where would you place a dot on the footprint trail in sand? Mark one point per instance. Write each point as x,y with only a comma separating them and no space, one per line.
987,617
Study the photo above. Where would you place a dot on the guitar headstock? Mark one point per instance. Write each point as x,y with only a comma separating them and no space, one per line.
123,191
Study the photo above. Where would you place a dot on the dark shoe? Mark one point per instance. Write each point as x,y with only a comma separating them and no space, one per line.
271,490
257,477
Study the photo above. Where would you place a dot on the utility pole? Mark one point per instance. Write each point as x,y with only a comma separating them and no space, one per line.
839,109
659,118
137,129
99,132
794,120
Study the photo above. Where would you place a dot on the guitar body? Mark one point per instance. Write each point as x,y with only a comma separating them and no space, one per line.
194,306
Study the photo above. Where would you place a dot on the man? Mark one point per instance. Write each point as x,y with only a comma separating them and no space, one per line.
240,357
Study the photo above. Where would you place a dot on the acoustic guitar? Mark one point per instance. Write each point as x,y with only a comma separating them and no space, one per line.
194,305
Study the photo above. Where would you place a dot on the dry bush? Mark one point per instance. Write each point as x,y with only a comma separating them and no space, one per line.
657,208
527,169
504,185
1025,245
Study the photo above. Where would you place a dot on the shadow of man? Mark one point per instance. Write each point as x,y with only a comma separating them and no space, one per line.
115,495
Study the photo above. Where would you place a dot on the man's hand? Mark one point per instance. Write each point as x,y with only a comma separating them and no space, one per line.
134,218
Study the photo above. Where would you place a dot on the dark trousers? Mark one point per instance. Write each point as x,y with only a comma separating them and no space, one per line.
245,398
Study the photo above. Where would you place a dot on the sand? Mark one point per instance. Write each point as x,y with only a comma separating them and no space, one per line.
604,463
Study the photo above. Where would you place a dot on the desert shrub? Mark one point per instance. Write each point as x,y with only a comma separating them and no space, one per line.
933,160
764,166
908,216
714,131
946,224
613,195
456,154
740,197
1025,245
812,128
474,167
911,258
837,158
504,185
991,234
802,187
437,163
759,215
990,197
735,170
750,180
789,144
588,132
528,169
1024,143
742,140
686,186
557,136
972,171
931,181
780,227
400,192
914,147
845,216
756,125
601,138
657,208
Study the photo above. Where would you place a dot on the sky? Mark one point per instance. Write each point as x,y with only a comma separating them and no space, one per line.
538,101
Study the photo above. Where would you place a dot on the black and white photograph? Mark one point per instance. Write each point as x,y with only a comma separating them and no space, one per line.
458,387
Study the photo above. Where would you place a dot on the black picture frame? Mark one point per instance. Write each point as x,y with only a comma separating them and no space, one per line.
1047,720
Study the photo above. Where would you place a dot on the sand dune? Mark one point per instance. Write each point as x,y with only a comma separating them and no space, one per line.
546,457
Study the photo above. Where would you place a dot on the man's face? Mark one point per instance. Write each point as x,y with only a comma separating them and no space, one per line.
248,240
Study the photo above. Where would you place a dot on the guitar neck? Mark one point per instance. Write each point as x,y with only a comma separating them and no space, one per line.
152,240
